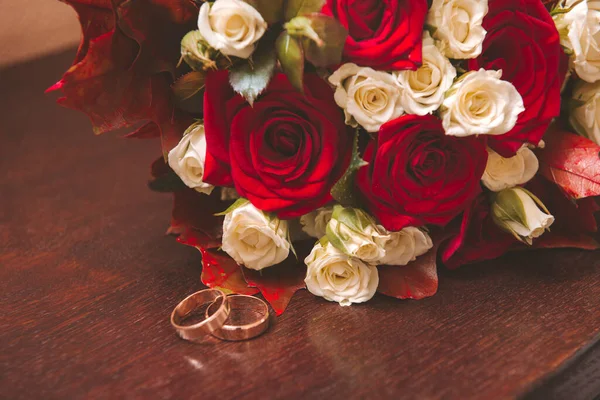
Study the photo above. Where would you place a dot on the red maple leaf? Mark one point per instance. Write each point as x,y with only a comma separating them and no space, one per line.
572,162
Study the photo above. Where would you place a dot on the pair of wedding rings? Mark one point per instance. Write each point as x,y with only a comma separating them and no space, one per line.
222,316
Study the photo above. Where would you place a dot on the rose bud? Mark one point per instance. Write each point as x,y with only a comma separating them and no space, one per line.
335,276
188,157
503,173
315,223
405,246
355,233
254,239
520,213
197,53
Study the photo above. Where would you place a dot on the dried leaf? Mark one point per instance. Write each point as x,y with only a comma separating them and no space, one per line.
556,240
220,271
572,162
417,280
278,284
189,85
291,57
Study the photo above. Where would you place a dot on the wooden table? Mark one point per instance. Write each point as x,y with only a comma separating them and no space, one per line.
88,280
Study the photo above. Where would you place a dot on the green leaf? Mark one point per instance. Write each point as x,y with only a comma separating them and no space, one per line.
188,85
237,204
291,57
271,10
333,36
251,77
343,190
293,8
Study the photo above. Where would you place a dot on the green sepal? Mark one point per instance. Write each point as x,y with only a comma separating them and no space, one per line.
343,191
237,204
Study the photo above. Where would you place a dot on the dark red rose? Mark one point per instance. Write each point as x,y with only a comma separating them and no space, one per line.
383,34
285,152
523,42
477,238
417,175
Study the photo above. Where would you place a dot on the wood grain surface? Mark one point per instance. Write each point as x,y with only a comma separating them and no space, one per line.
88,280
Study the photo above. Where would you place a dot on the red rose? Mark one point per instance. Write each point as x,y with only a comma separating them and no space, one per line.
523,42
417,175
383,34
285,152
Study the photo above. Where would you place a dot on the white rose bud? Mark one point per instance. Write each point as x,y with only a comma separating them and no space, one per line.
458,26
423,90
503,173
254,239
519,212
335,276
585,110
405,246
355,233
231,26
579,30
188,157
369,98
315,222
480,103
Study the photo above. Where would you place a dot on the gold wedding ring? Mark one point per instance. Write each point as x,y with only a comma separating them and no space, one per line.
194,302
249,317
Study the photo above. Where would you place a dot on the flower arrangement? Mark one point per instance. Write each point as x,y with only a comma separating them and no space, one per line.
349,146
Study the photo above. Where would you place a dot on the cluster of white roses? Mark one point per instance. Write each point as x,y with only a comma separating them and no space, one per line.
477,103
578,22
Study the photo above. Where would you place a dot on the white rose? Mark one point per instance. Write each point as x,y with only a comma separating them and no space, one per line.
480,103
580,34
423,90
254,240
585,114
231,26
188,157
405,246
369,98
520,213
335,276
458,26
315,222
355,233
503,173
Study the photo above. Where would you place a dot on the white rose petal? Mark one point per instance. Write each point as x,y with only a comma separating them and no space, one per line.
315,222
187,160
337,277
369,98
254,240
423,90
503,173
537,221
585,116
480,103
580,34
231,26
405,246
458,26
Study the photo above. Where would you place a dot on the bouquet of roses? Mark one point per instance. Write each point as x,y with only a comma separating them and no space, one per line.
347,146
